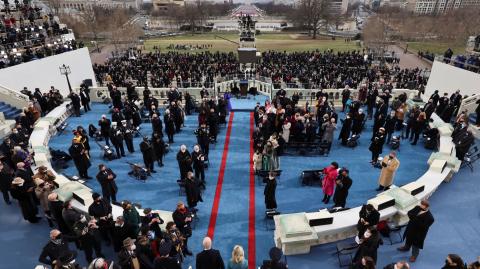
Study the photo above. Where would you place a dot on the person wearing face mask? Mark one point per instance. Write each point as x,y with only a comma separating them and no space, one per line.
87,232
369,216
417,228
184,162
127,131
158,147
152,221
183,219
106,177
55,248
453,261
389,126
346,128
116,136
390,165
168,119
198,164
127,257
121,231
368,245
101,210
203,139
105,124
22,192
463,142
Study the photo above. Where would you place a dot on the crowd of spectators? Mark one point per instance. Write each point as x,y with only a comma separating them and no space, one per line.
27,33
324,70
187,70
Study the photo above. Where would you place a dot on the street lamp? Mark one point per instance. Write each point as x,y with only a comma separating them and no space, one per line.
65,70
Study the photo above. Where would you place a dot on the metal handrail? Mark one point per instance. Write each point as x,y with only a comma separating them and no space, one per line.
453,61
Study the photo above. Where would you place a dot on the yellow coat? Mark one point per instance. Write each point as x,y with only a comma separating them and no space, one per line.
388,172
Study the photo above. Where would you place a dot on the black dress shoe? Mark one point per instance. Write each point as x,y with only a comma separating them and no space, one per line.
88,177
379,189
153,171
188,252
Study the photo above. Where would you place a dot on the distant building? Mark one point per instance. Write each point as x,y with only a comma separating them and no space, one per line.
164,5
439,6
339,6
81,5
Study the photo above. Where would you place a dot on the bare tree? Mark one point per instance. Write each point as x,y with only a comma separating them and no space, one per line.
55,6
311,15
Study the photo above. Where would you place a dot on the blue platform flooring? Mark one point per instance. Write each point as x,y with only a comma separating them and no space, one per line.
455,205
247,104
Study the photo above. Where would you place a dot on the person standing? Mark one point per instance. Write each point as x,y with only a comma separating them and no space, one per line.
131,217
127,257
6,178
368,216
85,98
56,207
269,192
88,235
198,164
192,190
101,210
346,128
376,147
105,124
209,258
417,228
117,138
328,183
80,158
22,193
328,130
169,125
183,219
55,248
453,261
342,185
106,178
163,260
127,132
148,154
158,147
184,160
390,165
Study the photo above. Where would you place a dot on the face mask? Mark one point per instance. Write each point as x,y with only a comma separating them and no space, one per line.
197,149
133,247
118,225
183,150
83,219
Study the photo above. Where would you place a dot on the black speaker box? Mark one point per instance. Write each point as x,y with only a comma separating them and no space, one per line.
319,222
386,204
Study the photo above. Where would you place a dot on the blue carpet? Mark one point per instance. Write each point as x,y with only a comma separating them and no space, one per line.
455,231
247,104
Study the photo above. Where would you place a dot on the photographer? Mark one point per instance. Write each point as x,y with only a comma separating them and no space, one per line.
101,210
183,218
88,235
152,220
198,164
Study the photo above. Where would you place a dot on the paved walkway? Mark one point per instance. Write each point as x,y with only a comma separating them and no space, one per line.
409,60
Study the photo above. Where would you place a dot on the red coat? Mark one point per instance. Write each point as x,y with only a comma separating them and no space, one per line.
328,183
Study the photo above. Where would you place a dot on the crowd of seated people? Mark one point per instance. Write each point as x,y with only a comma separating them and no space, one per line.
26,34
325,70
187,70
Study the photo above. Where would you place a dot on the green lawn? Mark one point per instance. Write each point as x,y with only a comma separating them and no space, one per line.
277,41
436,47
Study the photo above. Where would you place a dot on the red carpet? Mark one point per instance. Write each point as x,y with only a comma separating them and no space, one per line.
251,209
221,174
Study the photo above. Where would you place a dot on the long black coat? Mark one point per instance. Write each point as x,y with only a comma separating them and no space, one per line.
417,227
80,159
184,163
345,131
6,179
209,259
193,192
343,184
147,151
29,209
269,192
109,186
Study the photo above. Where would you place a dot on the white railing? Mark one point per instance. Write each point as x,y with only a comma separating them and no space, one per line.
469,104
13,98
